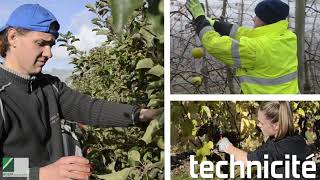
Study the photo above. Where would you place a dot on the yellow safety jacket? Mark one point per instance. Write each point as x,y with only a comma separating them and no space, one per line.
265,57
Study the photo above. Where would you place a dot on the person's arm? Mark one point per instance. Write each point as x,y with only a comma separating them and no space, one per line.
100,113
269,148
223,28
226,146
233,30
238,53
239,155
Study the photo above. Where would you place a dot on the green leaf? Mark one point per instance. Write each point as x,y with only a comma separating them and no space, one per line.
119,175
147,156
146,63
194,129
121,11
162,156
153,96
294,105
160,142
301,112
75,40
153,103
91,8
149,92
156,84
133,157
153,127
111,166
311,136
205,109
102,32
152,174
205,150
157,70
95,21
147,36
62,40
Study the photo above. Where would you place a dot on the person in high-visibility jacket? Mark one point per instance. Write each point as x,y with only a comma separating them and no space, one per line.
265,56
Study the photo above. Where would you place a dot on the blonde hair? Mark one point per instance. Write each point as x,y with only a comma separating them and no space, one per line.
4,43
279,112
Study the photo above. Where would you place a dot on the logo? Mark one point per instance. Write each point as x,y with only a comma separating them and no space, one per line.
15,167
291,165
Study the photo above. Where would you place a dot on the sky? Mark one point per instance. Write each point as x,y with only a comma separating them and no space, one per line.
72,16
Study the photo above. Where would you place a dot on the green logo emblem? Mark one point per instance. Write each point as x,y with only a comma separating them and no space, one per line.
7,164
15,167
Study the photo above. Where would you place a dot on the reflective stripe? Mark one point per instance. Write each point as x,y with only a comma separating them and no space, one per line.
2,108
269,82
2,112
204,30
233,31
234,47
235,53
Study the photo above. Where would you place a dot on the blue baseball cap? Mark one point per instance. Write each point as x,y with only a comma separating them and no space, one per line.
33,17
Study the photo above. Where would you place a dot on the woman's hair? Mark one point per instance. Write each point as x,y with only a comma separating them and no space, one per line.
4,43
279,112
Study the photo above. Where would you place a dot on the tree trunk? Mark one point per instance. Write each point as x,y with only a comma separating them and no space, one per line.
241,7
204,69
311,57
207,8
304,84
229,70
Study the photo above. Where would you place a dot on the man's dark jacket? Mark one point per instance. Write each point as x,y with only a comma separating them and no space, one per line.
33,107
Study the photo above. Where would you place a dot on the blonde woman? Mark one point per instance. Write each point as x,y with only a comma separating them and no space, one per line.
276,123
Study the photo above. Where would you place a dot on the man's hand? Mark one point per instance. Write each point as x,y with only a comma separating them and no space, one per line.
195,8
146,115
223,144
70,167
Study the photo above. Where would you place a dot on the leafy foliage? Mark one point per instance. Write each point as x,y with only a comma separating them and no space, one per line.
126,68
196,127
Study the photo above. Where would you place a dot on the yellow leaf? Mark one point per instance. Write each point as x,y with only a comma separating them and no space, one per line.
205,150
206,109
301,112
311,136
194,130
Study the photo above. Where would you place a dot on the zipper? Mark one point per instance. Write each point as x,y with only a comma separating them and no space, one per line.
30,83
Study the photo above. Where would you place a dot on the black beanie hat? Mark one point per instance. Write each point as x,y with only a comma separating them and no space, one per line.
271,11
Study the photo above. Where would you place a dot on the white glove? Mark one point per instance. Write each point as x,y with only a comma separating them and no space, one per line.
223,144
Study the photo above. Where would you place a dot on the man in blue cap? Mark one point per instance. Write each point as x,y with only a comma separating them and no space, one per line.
264,57
32,104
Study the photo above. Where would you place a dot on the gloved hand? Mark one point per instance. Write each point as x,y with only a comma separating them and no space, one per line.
211,21
195,8
223,144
